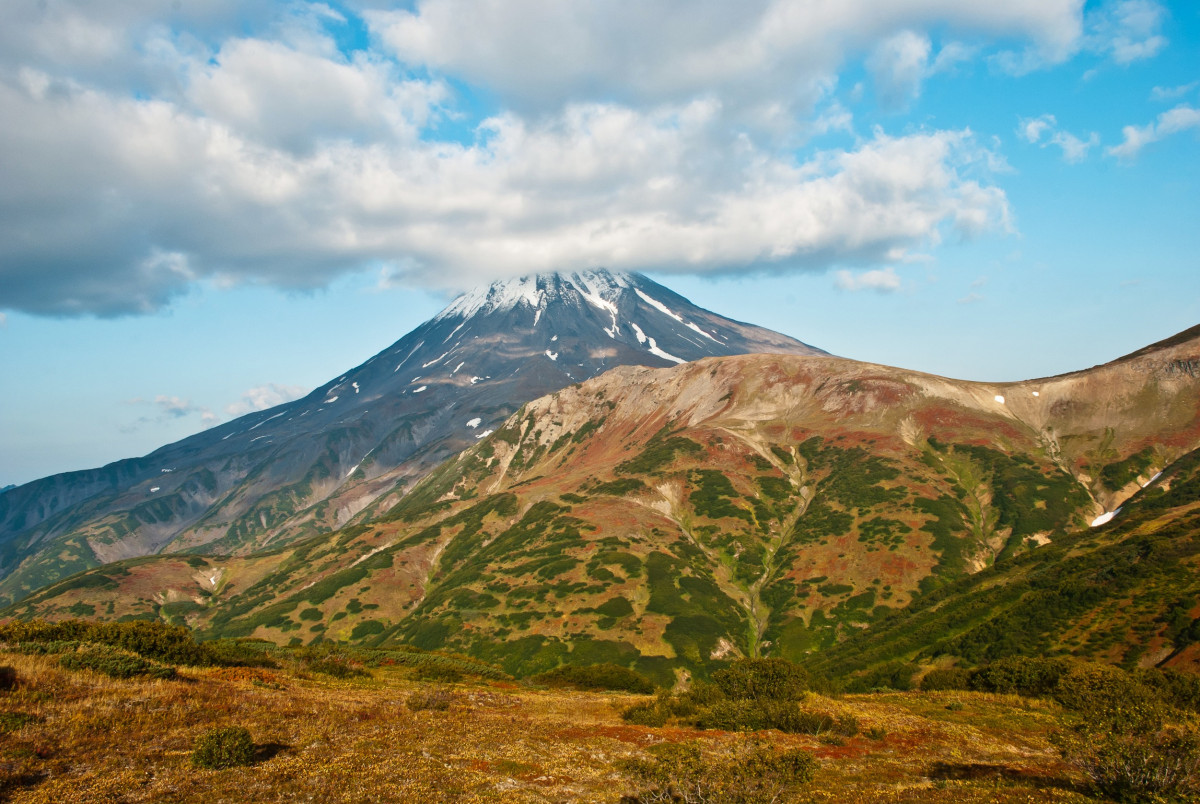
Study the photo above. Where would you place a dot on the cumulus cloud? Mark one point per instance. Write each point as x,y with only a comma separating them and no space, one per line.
263,397
879,280
115,204
144,150
543,53
1181,118
1044,131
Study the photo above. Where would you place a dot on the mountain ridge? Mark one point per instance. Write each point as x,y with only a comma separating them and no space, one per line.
670,518
355,444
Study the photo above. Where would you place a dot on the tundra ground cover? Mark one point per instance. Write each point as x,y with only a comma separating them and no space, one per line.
81,736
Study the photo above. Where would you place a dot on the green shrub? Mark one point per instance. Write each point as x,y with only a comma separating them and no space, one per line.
762,680
168,644
596,677
439,673
114,662
336,668
891,676
785,716
749,773
945,678
223,748
648,713
1110,698
1020,675
702,693
1172,687
1157,766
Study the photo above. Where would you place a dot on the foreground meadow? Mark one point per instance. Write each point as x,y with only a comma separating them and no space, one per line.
74,735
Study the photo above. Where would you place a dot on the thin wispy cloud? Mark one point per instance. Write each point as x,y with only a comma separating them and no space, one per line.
1167,94
884,280
1181,118
263,397
1044,131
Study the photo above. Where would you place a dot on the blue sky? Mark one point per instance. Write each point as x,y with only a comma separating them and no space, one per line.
206,209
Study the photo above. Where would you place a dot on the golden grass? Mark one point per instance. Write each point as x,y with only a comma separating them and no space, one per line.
102,740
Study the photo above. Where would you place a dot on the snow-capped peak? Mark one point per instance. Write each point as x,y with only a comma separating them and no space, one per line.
599,287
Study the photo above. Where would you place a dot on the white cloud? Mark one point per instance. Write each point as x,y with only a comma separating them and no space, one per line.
263,397
283,97
1163,94
1032,129
899,65
883,280
169,407
543,54
144,149
1127,30
1074,149
136,199
175,407
1181,118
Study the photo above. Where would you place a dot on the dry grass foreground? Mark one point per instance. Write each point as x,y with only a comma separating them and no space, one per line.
90,738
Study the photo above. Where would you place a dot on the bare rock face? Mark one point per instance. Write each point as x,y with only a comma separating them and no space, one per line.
355,445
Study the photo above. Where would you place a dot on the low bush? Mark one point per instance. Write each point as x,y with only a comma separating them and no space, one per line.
896,676
335,667
1109,698
439,673
785,716
1158,766
226,747
748,773
649,713
762,680
1019,675
596,677
1172,687
167,644
114,662
946,678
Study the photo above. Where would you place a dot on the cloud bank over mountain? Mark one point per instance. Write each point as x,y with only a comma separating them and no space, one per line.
144,150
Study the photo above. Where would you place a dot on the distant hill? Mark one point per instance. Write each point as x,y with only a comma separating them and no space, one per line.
749,505
356,444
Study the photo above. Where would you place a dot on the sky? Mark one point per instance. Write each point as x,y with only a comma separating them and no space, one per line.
210,208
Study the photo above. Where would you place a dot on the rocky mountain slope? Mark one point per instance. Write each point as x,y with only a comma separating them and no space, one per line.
354,445
749,505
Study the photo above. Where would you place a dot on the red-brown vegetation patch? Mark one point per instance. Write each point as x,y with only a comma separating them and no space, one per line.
632,735
954,424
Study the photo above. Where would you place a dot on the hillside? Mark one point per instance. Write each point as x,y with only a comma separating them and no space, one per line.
752,505
1127,593
356,444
